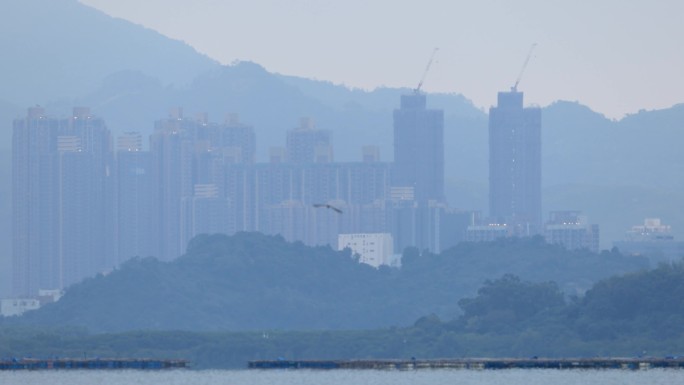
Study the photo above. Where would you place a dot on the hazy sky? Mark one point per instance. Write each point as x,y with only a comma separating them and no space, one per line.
616,56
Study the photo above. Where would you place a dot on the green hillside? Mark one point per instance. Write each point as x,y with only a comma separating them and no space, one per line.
623,316
252,282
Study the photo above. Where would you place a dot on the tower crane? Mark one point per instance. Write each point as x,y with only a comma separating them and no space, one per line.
422,79
522,70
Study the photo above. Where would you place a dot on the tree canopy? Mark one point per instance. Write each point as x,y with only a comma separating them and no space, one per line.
508,317
251,281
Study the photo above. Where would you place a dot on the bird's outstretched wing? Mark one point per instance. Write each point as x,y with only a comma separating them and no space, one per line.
327,206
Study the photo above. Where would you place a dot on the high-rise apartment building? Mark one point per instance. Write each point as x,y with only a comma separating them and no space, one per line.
62,199
189,155
172,146
136,227
237,139
515,164
419,148
34,208
417,174
281,193
308,144
206,212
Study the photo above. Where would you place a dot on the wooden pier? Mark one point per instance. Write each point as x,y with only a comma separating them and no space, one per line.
88,364
475,363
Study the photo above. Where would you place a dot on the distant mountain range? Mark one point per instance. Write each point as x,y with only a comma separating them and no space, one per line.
60,53
56,49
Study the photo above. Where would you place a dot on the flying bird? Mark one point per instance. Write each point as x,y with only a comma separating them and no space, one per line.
327,206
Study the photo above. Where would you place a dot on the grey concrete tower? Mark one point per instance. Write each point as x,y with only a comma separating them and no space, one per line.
419,148
515,164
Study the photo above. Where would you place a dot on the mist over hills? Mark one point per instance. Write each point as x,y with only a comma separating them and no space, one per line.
62,49
60,53
582,146
617,172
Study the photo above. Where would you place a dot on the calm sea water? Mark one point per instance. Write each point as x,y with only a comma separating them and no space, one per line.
347,377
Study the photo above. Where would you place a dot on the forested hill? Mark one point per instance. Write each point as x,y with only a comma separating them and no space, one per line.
622,316
633,314
255,282
642,305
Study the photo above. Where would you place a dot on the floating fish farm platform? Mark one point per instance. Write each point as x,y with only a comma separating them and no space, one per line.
87,364
475,363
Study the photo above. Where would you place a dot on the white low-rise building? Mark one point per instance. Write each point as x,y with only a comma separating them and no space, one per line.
488,232
653,240
375,249
17,306
572,230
